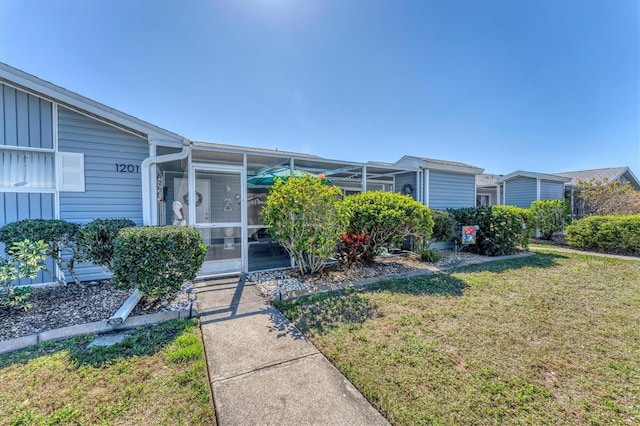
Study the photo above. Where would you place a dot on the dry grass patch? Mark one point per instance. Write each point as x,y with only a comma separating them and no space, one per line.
547,339
156,376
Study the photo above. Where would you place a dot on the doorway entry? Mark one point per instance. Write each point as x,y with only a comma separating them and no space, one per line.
215,209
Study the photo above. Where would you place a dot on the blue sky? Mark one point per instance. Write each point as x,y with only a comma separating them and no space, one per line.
539,85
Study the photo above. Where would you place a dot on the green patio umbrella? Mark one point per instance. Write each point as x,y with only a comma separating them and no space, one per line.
268,178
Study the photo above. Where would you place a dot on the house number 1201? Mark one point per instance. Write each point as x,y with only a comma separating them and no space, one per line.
128,168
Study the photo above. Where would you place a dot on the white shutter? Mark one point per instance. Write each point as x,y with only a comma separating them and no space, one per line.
70,171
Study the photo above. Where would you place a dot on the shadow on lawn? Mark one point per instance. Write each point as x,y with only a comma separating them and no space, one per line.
537,260
142,342
440,284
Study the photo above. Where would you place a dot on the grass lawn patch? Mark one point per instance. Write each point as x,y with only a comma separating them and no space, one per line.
552,338
157,375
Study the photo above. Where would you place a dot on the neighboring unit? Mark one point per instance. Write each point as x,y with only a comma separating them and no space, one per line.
521,188
612,174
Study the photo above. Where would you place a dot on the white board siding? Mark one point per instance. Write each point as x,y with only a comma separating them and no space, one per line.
521,192
25,120
451,190
551,190
108,192
19,206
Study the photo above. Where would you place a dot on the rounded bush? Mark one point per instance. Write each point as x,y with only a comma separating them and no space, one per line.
500,229
303,217
387,218
95,240
157,260
444,226
619,234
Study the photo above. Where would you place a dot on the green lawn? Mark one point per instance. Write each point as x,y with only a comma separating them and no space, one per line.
156,376
548,339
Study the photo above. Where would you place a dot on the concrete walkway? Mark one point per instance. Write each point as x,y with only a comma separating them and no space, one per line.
263,371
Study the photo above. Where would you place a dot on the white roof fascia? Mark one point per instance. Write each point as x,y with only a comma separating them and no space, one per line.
454,169
21,79
413,162
247,150
533,175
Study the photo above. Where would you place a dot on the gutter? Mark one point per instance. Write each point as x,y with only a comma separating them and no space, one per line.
146,177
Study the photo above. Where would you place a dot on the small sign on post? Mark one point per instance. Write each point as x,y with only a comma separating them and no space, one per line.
469,234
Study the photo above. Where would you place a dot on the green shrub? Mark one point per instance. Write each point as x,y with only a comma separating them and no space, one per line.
430,255
95,240
303,217
619,234
500,230
157,260
26,259
444,226
59,235
526,217
550,216
387,218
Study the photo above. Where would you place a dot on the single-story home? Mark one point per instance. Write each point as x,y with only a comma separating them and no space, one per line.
520,188
611,174
68,157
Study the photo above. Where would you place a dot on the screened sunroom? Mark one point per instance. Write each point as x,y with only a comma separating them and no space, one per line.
220,190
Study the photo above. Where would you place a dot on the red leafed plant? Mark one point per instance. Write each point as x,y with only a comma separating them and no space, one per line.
352,249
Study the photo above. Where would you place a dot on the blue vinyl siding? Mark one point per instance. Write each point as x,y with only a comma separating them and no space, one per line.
520,192
18,206
451,190
25,120
551,190
108,193
406,178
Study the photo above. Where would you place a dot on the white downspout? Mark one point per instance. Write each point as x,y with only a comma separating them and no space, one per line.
147,184
538,189
499,200
364,179
426,187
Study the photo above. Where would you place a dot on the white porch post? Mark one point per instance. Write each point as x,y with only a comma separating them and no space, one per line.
426,187
364,178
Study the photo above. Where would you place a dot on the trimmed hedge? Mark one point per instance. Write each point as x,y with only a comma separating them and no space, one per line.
500,230
526,217
444,226
157,260
387,218
620,234
95,240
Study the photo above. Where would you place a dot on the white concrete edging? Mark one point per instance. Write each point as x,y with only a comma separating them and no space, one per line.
97,327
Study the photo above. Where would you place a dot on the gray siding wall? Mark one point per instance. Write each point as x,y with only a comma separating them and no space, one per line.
520,192
26,120
108,192
406,178
19,206
451,190
551,190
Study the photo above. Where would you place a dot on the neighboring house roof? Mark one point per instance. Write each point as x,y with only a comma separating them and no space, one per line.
434,164
611,174
534,175
21,80
487,180
276,152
